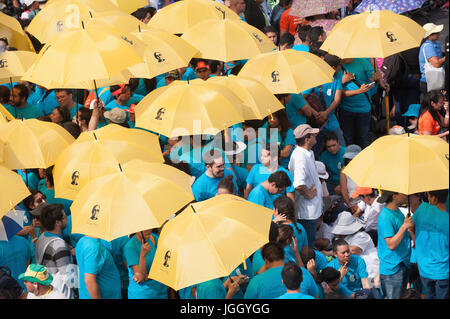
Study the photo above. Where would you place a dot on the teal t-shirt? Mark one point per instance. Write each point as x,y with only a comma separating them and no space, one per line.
15,255
259,195
259,173
334,163
357,270
296,103
289,139
94,258
267,285
205,187
302,241
149,289
432,241
297,295
389,223
50,198
211,289
116,248
28,112
47,104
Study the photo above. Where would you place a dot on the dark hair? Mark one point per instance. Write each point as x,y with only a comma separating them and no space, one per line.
182,166
214,66
227,183
72,128
65,113
280,178
49,175
292,276
235,70
328,274
301,141
286,206
50,215
441,195
285,124
285,234
303,31
273,232
133,84
306,254
5,94
85,114
338,242
44,118
272,251
30,198
334,295
254,124
68,91
286,38
23,90
270,28
141,13
330,136
432,96
315,33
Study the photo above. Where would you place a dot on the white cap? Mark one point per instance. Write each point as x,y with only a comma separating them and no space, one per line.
431,28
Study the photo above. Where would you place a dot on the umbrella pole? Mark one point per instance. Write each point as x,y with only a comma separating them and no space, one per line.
26,176
15,108
76,94
388,113
409,207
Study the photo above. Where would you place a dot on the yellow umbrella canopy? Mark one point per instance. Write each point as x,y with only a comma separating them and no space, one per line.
96,153
5,116
118,19
406,163
179,16
208,240
13,64
164,52
32,143
258,101
373,34
11,29
129,6
227,40
138,196
84,55
12,190
288,71
65,15
189,108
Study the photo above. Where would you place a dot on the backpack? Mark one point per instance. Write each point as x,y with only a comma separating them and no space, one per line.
9,287
395,70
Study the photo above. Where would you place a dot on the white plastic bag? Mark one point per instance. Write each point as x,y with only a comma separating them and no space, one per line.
435,76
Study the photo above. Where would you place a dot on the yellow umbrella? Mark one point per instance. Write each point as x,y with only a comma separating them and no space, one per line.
96,153
227,40
119,19
13,65
209,240
258,101
138,196
11,29
32,143
288,71
406,163
189,108
86,55
12,190
373,34
129,6
5,116
179,16
65,15
164,52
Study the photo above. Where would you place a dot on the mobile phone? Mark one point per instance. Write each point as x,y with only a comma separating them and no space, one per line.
372,83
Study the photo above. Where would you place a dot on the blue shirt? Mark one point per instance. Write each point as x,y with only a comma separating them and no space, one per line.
211,289
432,241
240,175
363,71
259,173
297,295
357,270
267,285
28,112
289,139
296,103
116,248
113,104
389,223
252,153
259,195
149,289
15,254
50,198
205,187
301,47
431,49
94,258
334,163
302,241
46,105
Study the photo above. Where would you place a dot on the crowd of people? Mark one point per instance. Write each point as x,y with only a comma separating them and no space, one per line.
329,238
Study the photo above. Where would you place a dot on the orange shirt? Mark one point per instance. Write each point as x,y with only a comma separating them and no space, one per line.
289,23
428,124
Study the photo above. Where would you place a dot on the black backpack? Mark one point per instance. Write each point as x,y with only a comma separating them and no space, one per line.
9,287
395,69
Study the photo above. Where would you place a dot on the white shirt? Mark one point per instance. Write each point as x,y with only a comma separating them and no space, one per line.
371,213
302,166
54,294
324,231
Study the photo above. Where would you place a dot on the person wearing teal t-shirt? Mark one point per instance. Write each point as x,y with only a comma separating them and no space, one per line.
117,250
44,99
333,158
432,244
394,244
265,193
19,107
16,255
216,289
139,254
292,277
122,96
65,99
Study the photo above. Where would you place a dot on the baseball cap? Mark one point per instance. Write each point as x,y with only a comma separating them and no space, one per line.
40,208
362,191
431,28
116,115
413,110
303,130
201,65
351,151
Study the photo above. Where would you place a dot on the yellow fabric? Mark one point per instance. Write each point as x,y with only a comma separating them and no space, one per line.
189,108
164,52
11,29
402,163
15,63
373,34
12,189
238,40
288,71
178,17
137,198
32,143
129,6
5,116
258,101
99,152
208,240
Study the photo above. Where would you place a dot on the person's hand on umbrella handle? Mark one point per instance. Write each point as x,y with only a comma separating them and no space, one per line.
408,222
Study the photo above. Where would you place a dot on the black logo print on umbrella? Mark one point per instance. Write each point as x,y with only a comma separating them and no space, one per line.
167,258
391,36
275,76
159,114
95,211
158,56
75,177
